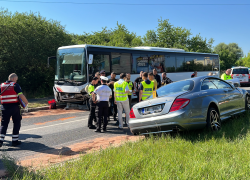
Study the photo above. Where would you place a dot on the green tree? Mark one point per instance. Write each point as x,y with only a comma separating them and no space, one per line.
150,38
198,44
244,61
169,36
119,36
229,54
26,40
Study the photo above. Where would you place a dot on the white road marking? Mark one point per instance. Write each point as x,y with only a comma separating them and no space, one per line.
53,125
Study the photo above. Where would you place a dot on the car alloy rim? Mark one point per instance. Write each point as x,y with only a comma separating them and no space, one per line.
215,120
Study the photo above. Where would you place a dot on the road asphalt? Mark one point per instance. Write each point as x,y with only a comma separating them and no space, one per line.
57,131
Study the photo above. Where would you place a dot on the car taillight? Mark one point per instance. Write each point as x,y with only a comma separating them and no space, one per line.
131,113
179,104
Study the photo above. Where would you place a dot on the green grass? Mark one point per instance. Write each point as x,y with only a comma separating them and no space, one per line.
188,155
39,103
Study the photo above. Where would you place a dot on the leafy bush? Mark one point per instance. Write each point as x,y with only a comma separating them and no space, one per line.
26,41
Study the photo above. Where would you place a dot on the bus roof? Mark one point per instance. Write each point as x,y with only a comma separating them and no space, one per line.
140,48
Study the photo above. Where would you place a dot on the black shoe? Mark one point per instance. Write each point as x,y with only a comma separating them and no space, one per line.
104,130
97,130
16,143
120,128
125,125
92,127
117,123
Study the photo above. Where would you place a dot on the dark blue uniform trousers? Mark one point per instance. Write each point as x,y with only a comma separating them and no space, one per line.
102,110
15,113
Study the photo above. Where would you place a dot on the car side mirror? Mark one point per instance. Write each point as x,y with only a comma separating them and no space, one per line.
90,59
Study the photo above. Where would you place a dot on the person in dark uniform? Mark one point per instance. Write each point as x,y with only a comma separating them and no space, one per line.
165,80
157,78
10,92
131,89
98,75
92,116
113,106
137,85
101,97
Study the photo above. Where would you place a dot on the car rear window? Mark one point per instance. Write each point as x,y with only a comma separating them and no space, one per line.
176,87
240,71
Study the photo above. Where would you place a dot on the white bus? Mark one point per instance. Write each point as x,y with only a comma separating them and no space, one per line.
74,69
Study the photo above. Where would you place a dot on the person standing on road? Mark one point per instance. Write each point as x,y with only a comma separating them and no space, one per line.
137,84
146,88
121,99
131,88
101,97
157,78
152,78
165,80
10,92
113,106
226,75
91,90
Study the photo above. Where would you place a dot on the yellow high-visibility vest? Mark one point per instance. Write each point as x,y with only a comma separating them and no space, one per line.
147,89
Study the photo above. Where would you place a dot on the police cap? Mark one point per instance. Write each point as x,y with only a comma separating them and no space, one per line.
104,78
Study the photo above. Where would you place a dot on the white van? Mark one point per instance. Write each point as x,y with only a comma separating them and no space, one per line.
241,73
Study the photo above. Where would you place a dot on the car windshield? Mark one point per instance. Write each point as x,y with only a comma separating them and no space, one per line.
180,86
71,65
240,71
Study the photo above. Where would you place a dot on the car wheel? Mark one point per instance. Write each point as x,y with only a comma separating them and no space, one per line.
247,103
213,120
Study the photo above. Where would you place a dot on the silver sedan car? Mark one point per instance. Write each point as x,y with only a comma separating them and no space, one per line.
189,104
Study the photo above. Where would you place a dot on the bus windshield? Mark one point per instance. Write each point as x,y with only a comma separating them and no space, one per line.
71,65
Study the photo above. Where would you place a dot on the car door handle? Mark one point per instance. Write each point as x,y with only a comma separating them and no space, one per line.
225,90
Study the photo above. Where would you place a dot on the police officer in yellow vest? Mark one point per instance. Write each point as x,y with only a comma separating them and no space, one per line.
226,75
131,88
146,87
92,116
121,90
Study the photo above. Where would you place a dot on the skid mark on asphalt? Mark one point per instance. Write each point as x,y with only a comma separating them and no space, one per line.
61,119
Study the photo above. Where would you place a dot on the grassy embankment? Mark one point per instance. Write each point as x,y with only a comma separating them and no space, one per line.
189,155
38,103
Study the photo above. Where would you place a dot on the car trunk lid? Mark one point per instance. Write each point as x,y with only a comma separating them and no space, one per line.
151,107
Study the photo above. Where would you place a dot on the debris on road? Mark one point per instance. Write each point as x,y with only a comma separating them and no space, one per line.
62,154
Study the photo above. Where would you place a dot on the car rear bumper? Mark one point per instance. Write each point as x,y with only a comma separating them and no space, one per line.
175,121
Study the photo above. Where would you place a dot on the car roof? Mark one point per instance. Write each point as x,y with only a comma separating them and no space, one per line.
240,67
199,80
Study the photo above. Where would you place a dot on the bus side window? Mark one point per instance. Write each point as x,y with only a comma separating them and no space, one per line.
121,62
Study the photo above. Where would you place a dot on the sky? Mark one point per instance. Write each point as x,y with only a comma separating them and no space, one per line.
223,20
